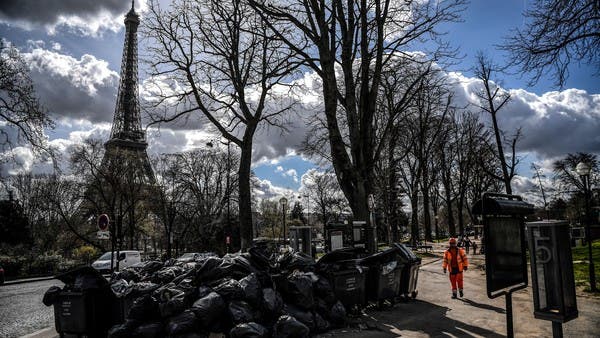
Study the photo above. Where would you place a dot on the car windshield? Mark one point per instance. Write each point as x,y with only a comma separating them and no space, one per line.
105,257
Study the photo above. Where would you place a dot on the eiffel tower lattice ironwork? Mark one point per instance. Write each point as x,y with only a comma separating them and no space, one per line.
127,144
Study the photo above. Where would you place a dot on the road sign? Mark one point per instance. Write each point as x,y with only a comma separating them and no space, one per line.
103,222
371,202
103,235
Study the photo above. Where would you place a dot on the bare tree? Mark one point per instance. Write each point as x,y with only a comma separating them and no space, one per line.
23,119
557,33
492,98
225,64
324,190
349,44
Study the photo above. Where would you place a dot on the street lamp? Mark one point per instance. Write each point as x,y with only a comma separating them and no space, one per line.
283,202
583,170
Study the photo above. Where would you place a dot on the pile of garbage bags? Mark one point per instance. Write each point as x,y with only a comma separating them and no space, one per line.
249,294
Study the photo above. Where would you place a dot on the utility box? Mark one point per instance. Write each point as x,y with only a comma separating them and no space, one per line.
504,241
338,236
552,276
301,239
359,234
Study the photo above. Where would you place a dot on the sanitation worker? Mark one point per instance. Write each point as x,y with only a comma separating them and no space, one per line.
456,261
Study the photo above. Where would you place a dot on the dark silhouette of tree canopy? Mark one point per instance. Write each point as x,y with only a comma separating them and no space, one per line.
557,33
20,108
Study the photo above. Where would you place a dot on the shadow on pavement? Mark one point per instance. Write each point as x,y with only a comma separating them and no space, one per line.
483,306
427,318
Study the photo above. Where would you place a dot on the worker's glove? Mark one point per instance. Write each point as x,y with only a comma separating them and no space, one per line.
466,268
444,270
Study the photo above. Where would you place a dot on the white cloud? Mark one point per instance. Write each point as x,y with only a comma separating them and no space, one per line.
84,17
77,89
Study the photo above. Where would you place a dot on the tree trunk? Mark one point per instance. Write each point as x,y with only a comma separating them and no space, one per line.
245,190
414,222
505,174
425,192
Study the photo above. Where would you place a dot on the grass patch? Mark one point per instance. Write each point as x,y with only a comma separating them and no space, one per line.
581,267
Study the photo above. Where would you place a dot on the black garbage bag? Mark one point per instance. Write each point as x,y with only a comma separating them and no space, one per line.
272,302
229,289
252,289
171,299
209,309
289,327
337,314
151,267
149,330
191,335
322,289
184,322
291,261
121,288
129,275
122,330
209,270
142,288
322,307
203,291
240,311
144,308
321,324
259,258
163,276
83,278
249,330
51,295
305,317
299,291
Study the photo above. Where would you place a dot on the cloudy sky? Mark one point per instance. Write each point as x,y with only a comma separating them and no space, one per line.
74,50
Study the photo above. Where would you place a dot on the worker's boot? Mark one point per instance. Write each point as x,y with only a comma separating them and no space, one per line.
460,292
453,294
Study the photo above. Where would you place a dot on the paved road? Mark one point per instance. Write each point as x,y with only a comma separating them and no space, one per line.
21,308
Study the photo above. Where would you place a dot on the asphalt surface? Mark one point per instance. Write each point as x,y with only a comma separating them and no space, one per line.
22,310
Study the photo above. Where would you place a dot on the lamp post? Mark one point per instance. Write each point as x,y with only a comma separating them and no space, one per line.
283,202
583,170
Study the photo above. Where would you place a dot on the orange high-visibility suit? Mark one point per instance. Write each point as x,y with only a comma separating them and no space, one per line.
456,261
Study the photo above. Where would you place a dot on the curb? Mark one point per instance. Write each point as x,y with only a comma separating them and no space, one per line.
48,332
30,280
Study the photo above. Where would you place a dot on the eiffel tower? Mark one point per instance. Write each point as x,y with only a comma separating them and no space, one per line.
127,144
125,183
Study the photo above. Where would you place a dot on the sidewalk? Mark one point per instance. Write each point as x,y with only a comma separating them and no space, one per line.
27,280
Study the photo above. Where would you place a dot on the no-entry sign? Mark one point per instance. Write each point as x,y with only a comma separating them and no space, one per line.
103,222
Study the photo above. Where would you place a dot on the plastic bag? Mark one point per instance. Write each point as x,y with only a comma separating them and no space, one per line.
185,322
240,311
321,324
322,288
148,330
172,300
299,291
121,288
337,314
51,295
305,317
272,302
142,288
251,288
203,291
209,309
249,330
126,274
122,330
229,289
151,267
209,270
144,308
289,327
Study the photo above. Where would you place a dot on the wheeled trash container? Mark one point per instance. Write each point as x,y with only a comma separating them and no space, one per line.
383,277
410,271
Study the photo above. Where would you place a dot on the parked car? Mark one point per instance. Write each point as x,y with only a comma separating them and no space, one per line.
194,256
1,275
126,259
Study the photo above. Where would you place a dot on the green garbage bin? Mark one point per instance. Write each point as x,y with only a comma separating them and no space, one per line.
410,271
383,277
349,284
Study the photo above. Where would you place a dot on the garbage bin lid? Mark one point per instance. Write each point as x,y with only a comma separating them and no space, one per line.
500,206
